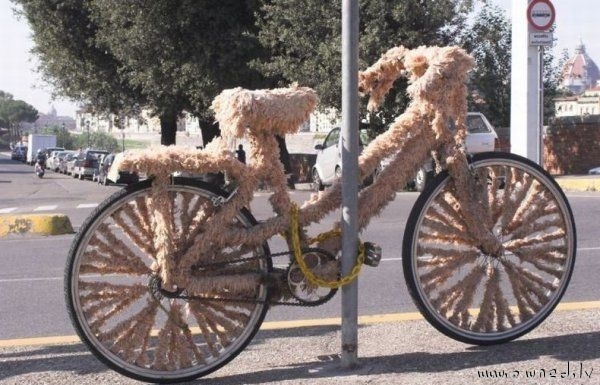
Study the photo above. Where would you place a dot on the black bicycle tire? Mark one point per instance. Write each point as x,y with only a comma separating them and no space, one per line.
410,243
120,196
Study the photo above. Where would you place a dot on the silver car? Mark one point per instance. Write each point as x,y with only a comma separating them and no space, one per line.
328,165
87,163
481,137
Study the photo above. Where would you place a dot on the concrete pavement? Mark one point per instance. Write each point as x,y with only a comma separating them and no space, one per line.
396,350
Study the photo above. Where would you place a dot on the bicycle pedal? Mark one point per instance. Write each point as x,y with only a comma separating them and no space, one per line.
372,254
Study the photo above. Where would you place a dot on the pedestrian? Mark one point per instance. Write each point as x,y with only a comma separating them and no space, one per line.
241,154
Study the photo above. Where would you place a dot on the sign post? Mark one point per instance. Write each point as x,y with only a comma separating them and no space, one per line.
530,35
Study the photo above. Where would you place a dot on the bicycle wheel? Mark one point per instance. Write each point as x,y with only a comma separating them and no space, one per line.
487,299
128,321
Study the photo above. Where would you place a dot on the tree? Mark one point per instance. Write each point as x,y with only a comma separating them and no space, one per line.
166,55
552,79
488,40
64,138
13,112
303,38
71,60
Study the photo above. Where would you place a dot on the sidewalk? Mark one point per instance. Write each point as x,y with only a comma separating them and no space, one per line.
579,182
400,352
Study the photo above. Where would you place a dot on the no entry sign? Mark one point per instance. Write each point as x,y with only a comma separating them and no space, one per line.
541,14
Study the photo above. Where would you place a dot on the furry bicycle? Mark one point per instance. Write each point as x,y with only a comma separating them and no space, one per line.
171,278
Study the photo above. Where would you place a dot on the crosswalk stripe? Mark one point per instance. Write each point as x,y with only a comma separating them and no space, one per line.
87,205
45,208
7,210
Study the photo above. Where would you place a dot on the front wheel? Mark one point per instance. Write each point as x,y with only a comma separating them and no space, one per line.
139,328
484,299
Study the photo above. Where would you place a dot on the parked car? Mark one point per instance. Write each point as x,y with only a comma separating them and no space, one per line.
481,137
594,171
68,164
328,165
50,150
19,153
86,163
53,160
125,177
57,161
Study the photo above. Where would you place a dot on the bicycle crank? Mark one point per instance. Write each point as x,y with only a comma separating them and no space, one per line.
323,264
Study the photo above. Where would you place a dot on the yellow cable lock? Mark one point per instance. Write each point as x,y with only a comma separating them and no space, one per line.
312,278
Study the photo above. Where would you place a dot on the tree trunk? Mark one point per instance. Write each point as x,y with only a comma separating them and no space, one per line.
284,157
168,129
210,130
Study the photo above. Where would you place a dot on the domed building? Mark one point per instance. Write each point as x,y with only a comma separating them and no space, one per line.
580,72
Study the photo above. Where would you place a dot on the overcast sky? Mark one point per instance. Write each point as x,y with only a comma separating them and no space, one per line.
576,20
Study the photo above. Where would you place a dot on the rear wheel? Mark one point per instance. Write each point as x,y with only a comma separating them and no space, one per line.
422,178
117,303
476,297
317,184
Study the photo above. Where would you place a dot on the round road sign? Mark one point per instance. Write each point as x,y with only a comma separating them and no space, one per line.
541,14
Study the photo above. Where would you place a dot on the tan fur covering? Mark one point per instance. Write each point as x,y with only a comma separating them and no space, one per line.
279,110
437,87
457,226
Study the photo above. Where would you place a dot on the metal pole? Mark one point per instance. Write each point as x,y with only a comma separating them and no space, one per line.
349,356
541,107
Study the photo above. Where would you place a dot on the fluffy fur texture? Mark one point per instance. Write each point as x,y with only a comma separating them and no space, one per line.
437,78
175,239
281,111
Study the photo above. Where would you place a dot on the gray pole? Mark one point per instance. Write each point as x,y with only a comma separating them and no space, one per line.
349,357
541,108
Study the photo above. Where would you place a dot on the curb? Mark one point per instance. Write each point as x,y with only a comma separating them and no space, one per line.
44,224
576,183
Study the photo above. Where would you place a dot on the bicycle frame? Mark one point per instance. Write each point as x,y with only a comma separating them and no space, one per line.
438,77
494,233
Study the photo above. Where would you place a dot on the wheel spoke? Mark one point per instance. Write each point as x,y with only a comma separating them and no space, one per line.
115,289
480,298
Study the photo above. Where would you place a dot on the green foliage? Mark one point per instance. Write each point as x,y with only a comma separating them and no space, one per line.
14,111
166,55
552,79
96,140
63,137
303,38
488,40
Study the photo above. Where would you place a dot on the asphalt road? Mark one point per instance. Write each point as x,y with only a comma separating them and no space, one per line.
32,302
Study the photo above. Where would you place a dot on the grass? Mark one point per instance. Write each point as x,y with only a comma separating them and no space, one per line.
135,144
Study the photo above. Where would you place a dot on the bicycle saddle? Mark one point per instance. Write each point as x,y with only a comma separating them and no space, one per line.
277,111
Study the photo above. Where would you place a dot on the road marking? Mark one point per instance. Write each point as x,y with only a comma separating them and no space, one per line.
45,208
87,205
7,210
277,325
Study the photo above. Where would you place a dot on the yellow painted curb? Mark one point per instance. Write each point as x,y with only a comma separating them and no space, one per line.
579,184
281,325
44,224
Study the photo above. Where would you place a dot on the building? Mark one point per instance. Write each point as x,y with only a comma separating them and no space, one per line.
581,77
144,127
587,103
580,72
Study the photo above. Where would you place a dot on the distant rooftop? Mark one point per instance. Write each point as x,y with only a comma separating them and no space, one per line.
580,72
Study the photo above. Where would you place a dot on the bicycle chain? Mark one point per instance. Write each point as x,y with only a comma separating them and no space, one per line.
290,302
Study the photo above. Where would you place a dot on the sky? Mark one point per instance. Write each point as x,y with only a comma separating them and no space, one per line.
575,22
